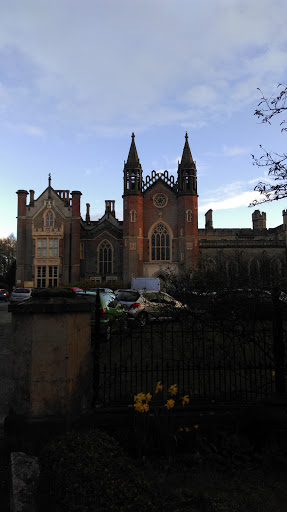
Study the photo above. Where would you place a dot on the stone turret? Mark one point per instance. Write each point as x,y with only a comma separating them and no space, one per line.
133,205
259,220
208,220
132,171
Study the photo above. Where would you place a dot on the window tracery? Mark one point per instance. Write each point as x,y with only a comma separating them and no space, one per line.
160,200
105,258
160,243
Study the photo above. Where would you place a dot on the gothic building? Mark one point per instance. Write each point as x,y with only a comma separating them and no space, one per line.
158,234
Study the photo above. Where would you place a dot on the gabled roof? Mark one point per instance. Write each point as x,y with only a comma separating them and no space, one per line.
50,191
96,229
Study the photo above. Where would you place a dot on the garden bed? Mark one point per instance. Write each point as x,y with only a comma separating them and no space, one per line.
90,471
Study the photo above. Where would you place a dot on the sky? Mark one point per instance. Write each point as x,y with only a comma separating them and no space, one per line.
77,77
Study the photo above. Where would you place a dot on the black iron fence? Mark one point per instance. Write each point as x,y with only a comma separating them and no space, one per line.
226,360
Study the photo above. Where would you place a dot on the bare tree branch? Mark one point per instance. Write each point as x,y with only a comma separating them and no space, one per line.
267,109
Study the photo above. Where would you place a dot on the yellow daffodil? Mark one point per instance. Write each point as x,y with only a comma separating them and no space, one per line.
181,429
170,404
196,426
173,389
273,373
148,397
185,399
138,406
187,429
145,407
159,387
139,397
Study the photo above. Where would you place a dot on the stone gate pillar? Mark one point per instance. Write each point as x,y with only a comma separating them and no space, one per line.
51,355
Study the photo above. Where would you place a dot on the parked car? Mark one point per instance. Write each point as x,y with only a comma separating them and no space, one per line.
20,294
127,296
150,305
74,288
100,289
113,317
4,295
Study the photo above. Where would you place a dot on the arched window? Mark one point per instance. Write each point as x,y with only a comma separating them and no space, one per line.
276,267
211,264
49,219
232,270
133,215
188,215
160,243
105,258
254,269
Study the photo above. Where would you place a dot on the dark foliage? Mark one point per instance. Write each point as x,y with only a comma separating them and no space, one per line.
89,471
8,261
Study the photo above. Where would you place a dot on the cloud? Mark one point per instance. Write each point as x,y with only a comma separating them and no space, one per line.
232,202
26,129
229,196
235,151
105,65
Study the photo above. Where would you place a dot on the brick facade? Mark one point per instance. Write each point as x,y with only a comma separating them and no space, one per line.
159,232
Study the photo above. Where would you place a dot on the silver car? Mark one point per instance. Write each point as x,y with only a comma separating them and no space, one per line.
20,294
150,305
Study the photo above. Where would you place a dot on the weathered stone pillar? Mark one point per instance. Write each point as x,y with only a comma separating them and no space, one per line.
51,355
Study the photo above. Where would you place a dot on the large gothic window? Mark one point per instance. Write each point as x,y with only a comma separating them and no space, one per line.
105,258
160,243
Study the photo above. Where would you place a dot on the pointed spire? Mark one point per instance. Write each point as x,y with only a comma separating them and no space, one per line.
187,182
133,161
49,179
186,159
133,171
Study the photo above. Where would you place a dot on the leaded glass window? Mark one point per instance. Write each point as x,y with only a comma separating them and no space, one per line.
160,243
105,258
49,220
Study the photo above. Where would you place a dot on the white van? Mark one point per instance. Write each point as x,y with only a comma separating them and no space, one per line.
146,283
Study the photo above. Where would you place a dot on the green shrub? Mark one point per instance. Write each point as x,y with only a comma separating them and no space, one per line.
87,471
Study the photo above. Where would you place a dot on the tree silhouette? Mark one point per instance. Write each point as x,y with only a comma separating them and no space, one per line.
268,108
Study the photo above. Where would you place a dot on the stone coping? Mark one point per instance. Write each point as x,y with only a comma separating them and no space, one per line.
54,300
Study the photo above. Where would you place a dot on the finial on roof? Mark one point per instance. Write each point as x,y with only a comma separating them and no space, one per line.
133,135
49,179
186,136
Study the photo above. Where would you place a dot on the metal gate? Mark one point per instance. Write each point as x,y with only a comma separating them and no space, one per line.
226,360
